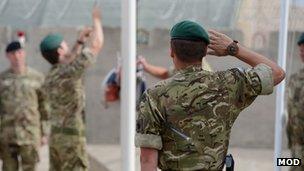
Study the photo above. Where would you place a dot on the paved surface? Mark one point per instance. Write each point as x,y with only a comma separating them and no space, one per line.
107,157
255,159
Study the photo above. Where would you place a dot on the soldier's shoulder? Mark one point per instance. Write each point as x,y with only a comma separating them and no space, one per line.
36,75
4,73
204,77
220,79
229,75
159,86
295,76
34,72
54,71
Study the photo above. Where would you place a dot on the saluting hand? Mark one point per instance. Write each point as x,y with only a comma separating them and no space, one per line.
218,43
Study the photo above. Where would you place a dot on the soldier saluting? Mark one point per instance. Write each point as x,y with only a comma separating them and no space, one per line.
184,122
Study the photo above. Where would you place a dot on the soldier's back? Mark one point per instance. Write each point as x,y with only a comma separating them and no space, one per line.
196,102
65,95
193,112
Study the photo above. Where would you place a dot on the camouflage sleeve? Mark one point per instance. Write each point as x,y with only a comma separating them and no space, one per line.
79,65
44,110
290,108
246,85
291,89
294,125
148,124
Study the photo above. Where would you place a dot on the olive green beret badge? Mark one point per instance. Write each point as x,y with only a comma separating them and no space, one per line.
51,42
189,30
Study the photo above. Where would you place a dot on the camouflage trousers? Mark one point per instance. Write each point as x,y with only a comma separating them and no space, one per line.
68,153
11,153
297,151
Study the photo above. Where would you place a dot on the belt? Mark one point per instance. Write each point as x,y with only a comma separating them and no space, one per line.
67,131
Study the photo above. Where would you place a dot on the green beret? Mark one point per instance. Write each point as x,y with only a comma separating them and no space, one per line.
51,42
301,39
188,30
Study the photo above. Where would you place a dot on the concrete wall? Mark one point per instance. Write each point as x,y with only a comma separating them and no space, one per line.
253,128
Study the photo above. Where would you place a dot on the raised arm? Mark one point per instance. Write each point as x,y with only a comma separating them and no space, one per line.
148,159
97,40
156,71
81,40
218,46
86,56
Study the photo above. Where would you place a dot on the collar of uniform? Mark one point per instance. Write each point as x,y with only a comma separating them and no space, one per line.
191,68
11,72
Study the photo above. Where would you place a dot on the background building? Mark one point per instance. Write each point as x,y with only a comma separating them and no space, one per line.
254,23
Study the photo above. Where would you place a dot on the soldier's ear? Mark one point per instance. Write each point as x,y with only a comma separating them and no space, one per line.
171,52
60,51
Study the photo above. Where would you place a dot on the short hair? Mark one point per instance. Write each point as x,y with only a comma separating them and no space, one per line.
52,56
189,51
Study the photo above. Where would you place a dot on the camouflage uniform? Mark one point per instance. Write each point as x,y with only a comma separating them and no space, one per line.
295,125
189,116
65,101
20,131
205,65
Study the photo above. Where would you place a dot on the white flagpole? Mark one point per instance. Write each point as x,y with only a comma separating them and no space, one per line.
280,101
128,84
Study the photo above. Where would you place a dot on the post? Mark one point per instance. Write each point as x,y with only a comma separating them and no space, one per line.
280,101
128,84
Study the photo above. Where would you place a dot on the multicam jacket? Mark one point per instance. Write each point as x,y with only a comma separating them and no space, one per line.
65,96
205,65
295,107
189,116
19,107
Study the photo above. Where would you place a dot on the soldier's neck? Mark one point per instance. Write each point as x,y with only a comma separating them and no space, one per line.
181,65
18,69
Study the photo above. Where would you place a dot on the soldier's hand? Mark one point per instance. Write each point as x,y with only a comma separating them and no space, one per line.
85,33
44,140
142,60
96,13
218,43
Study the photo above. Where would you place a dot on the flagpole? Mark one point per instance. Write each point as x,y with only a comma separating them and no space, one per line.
280,100
128,84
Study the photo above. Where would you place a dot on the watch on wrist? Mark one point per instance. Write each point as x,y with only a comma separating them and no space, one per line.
233,48
80,42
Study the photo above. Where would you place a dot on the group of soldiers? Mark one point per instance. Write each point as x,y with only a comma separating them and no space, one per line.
35,110
183,122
